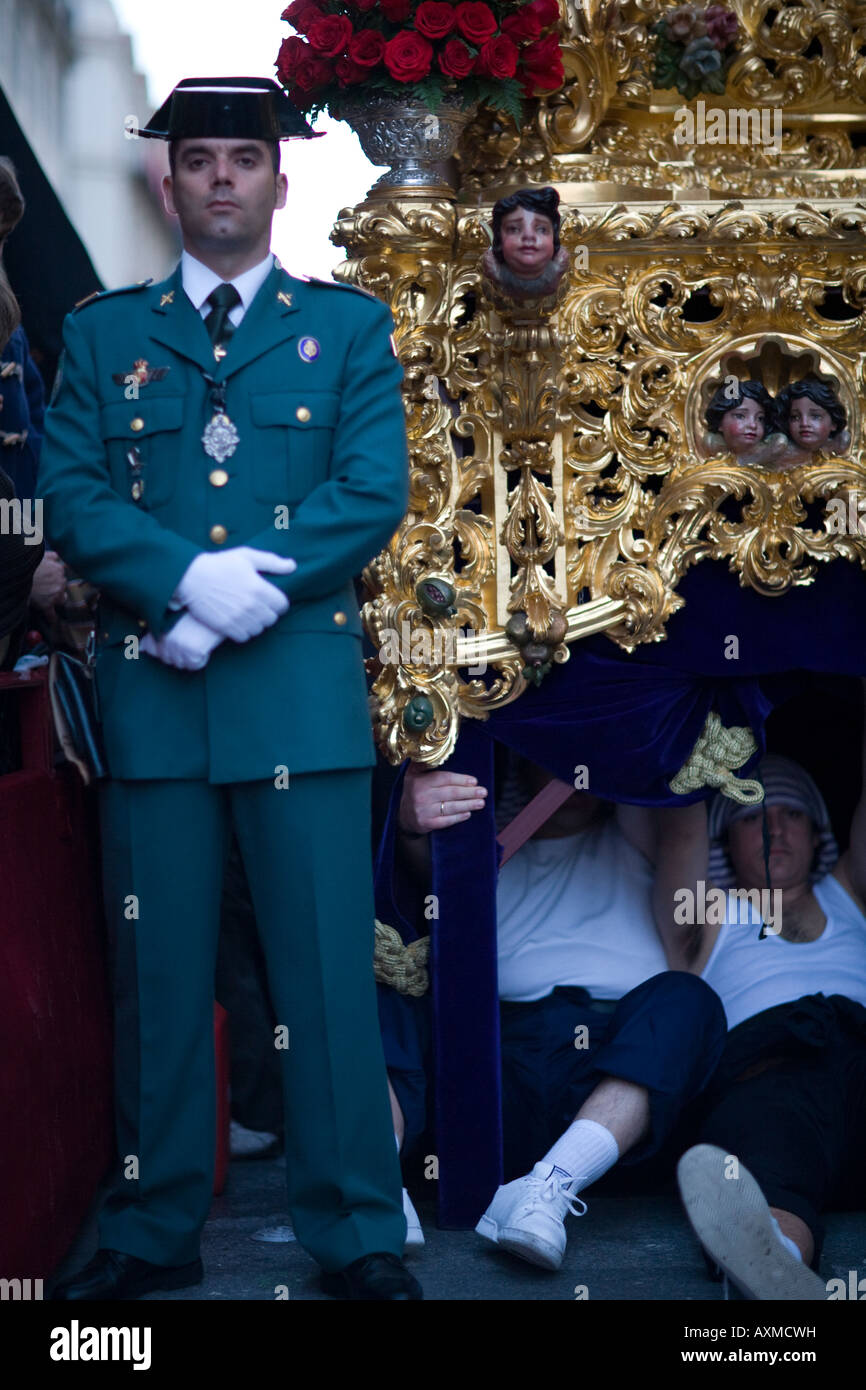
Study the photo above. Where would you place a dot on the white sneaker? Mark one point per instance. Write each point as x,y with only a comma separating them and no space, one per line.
250,1143
527,1217
414,1233
733,1222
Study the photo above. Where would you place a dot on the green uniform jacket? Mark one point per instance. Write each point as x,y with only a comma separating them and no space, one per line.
313,388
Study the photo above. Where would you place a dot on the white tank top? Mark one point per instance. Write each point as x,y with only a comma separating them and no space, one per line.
576,911
751,973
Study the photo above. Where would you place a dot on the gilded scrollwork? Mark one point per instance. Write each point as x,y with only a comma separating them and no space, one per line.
561,479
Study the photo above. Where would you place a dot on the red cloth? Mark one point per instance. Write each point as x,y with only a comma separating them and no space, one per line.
56,1124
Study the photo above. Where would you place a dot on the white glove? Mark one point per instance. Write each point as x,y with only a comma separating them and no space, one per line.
226,593
188,646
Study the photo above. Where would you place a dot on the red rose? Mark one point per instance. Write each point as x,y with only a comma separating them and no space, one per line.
348,73
476,22
366,48
301,14
312,73
434,19
395,10
498,57
546,11
455,60
291,52
541,65
524,26
408,56
330,35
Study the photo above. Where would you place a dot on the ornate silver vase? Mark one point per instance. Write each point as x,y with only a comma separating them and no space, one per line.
417,144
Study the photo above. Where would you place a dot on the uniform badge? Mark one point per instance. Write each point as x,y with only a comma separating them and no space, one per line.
220,438
135,467
166,299
308,349
141,372
284,298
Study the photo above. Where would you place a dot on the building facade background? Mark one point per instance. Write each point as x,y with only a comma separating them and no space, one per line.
67,69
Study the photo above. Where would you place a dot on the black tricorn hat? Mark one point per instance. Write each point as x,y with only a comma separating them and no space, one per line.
228,108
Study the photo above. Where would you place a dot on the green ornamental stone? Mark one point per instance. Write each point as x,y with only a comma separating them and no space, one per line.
418,713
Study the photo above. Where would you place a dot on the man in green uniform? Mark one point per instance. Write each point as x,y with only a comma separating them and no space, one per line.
224,452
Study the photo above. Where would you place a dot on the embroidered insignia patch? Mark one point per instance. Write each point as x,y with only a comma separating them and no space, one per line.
140,372
308,349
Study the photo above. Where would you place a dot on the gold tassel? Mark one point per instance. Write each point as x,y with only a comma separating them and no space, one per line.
400,966
711,762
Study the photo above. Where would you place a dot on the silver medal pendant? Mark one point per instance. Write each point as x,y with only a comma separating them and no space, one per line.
220,438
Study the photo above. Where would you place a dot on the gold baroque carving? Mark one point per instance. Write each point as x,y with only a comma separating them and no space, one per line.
558,468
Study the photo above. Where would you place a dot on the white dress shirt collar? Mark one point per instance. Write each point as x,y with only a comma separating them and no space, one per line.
199,281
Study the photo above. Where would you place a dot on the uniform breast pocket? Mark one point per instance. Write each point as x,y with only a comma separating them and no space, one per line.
142,440
294,440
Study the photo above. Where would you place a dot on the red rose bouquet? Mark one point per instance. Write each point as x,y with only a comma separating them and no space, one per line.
490,52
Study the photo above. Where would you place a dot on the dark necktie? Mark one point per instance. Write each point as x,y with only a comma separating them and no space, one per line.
218,324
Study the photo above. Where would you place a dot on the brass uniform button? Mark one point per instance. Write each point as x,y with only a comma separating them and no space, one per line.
136,424
340,619
218,477
302,414
218,534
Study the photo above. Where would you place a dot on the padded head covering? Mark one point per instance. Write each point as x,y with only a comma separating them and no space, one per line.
785,784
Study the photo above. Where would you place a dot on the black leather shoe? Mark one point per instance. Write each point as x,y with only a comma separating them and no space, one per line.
114,1274
380,1276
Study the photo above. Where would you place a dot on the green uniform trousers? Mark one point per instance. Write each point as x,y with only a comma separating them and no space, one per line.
306,850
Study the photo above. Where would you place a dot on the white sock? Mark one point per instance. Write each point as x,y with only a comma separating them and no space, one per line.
788,1243
583,1153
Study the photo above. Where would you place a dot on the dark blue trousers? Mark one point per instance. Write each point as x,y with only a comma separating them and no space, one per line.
667,1034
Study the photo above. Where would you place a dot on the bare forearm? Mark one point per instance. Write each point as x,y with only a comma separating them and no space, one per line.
682,851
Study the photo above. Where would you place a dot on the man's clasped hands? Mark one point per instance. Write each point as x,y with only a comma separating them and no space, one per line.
224,595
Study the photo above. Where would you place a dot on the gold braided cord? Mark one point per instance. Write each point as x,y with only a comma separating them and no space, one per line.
711,762
398,965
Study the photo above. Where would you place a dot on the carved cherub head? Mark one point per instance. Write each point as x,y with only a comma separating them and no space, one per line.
526,230
812,415
743,413
526,259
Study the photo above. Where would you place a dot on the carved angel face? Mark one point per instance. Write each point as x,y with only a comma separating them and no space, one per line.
527,242
743,425
809,425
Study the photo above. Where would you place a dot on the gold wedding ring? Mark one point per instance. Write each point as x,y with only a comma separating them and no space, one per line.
442,808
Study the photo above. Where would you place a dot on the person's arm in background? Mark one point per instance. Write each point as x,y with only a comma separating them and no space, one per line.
681,859
851,868
425,791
